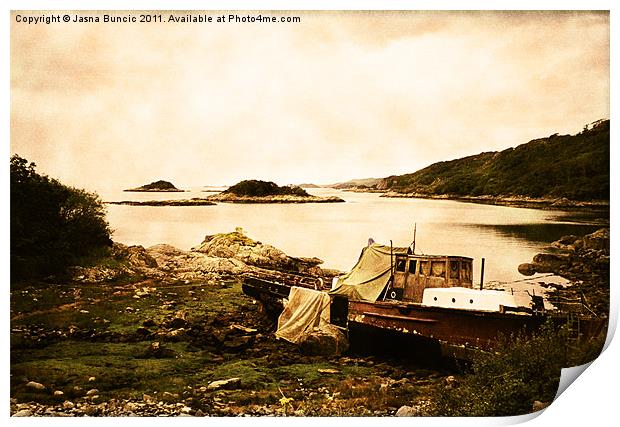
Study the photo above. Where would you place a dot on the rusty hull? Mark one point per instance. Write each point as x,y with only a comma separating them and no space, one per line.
466,328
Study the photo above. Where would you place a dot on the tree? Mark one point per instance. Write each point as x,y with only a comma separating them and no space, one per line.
52,225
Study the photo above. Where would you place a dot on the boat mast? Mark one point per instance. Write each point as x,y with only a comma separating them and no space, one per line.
415,226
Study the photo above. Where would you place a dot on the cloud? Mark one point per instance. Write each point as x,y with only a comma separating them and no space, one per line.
341,95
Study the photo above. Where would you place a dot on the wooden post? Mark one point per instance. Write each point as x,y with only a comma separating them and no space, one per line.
482,274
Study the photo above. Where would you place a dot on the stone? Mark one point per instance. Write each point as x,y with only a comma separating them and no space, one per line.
230,384
68,404
329,341
539,406
599,240
328,371
177,323
35,385
23,413
527,269
92,392
58,393
91,379
406,411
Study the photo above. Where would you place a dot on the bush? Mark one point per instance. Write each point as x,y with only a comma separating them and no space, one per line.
52,225
521,370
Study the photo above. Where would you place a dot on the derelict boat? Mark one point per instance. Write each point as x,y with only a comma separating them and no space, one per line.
429,296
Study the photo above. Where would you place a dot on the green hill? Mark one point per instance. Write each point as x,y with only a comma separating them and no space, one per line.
572,166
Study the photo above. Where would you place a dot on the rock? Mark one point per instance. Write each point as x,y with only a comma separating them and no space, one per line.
68,404
328,371
58,393
23,413
148,323
91,379
199,413
548,263
238,343
599,240
35,385
527,269
406,411
251,252
450,381
539,406
92,392
143,331
177,323
243,329
329,341
155,350
230,384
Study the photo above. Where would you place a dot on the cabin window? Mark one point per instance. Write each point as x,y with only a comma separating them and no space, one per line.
425,268
438,268
412,266
400,264
454,269
466,268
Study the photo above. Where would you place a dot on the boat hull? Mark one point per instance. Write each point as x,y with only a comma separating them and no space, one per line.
464,328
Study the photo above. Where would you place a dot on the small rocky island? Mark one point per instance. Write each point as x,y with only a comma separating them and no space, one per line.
255,191
156,186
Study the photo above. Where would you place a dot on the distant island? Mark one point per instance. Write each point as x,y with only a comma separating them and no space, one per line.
555,171
255,191
182,202
157,186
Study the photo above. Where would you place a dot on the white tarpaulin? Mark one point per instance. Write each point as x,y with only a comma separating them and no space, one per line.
306,310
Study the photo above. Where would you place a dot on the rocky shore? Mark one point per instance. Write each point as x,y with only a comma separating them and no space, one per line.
183,202
584,261
160,331
280,198
513,201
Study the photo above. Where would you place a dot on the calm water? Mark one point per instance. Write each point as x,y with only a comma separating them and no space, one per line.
504,236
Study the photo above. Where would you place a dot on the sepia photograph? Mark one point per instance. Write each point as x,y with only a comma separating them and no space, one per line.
297,213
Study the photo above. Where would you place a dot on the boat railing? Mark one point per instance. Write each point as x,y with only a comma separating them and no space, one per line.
288,278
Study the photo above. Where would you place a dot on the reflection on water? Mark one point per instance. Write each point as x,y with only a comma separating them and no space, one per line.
336,232
546,232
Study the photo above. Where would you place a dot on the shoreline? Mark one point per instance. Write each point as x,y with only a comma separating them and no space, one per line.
512,201
182,202
230,198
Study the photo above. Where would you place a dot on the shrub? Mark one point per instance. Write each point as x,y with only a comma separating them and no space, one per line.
522,369
52,225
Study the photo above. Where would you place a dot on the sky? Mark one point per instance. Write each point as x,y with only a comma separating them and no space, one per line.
337,96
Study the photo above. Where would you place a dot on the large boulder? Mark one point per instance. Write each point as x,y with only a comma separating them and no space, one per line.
326,341
238,246
599,240
550,263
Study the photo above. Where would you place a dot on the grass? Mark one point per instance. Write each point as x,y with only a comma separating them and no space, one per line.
107,347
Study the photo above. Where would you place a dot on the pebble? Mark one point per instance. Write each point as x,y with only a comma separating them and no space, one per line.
35,385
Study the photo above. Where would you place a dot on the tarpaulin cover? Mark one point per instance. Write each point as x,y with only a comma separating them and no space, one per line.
369,276
306,310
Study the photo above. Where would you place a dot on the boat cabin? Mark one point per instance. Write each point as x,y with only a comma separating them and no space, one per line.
414,273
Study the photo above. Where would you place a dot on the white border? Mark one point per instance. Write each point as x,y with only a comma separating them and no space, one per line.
590,401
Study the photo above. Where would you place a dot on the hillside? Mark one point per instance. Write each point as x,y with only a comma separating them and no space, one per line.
356,183
575,167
